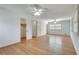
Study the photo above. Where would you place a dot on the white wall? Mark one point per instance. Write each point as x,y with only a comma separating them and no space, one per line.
65,28
44,28
38,27
9,28
41,28
75,29
29,29
75,21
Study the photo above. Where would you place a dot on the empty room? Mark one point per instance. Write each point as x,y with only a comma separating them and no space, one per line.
39,29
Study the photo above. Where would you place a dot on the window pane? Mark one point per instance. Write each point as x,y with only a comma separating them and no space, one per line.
55,27
52,26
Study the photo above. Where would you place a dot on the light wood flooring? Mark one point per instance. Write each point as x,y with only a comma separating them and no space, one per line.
44,45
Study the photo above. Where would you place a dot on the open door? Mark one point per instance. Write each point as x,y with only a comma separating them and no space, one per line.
23,26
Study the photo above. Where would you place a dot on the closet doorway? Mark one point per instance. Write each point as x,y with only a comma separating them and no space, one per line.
23,28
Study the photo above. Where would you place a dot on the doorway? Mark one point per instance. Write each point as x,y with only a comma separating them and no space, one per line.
23,26
34,28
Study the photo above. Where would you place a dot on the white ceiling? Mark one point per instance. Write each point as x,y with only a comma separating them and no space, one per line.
59,11
54,11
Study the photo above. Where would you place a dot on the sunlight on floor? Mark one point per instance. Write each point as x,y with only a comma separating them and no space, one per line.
55,43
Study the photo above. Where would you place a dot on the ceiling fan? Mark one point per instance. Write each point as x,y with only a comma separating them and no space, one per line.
37,10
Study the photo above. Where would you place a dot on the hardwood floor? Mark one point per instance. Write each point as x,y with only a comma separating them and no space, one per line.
44,45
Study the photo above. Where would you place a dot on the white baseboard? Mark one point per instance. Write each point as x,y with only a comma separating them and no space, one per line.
4,45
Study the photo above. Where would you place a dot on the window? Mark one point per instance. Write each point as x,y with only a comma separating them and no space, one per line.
55,27
58,26
52,26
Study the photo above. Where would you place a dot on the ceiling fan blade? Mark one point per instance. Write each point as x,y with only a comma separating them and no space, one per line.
37,9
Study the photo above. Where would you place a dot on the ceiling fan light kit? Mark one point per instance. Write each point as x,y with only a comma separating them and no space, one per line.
37,10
